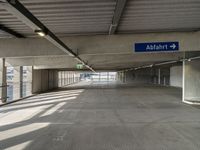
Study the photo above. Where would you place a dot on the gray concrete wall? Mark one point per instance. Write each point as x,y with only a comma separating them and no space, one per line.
192,80
142,76
160,76
176,76
44,80
37,79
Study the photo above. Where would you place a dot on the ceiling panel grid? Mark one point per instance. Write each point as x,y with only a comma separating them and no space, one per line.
160,15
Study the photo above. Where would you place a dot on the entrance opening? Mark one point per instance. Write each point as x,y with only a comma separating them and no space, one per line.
99,76
19,82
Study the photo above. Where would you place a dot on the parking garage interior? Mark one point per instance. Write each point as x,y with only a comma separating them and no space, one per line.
99,74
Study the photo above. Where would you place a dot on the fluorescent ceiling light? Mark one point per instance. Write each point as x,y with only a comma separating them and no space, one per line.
40,33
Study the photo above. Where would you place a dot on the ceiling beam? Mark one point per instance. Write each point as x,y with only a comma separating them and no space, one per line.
23,14
11,32
120,5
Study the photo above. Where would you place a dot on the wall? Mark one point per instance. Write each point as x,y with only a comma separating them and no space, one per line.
139,76
166,76
176,73
44,80
53,79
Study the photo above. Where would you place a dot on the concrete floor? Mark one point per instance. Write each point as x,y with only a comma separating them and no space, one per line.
101,117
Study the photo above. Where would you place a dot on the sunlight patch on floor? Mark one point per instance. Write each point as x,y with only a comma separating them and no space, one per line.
21,115
54,109
20,146
25,129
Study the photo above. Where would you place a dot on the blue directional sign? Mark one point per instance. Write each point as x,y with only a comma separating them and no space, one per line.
156,47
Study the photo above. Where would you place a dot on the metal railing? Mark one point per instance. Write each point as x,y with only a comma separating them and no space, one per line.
17,90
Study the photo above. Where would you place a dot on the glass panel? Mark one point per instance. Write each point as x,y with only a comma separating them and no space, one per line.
10,76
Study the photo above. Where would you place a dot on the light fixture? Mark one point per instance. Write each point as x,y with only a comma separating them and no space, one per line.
189,59
40,33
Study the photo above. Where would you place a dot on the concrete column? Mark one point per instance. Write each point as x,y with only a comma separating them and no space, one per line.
3,84
159,76
17,83
125,74
44,80
164,80
72,77
191,81
120,77
79,79
122,74
99,76
70,80
75,77
55,79
29,80
59,78
123,77
62,79
67,76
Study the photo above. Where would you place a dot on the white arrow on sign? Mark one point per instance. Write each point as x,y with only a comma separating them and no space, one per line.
173,46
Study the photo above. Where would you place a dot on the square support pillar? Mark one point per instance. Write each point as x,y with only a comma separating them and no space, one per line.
65,77
18,83
125,74
56,80
74,78
191,81
29,80
123,77
99,76
3,84
70,77
159,77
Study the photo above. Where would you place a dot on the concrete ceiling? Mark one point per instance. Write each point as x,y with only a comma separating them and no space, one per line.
78,17
160,16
